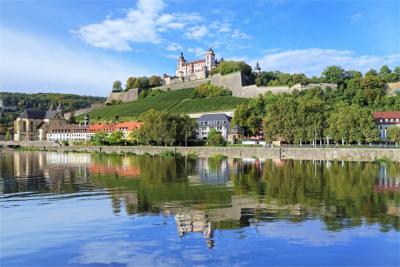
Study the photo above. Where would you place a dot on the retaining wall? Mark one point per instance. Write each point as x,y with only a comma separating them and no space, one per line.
128,96
347,154
183,85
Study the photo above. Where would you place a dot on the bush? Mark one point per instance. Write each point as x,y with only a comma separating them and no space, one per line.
226,67
210,90
215,138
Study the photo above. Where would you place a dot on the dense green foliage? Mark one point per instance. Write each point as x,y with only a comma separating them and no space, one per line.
142,83
210,90
332,74
226,67
393,134
343,115
99,139
117,86
273,78
42,101
163,128
215,138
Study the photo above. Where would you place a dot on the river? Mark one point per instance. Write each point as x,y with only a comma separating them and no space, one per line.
82,209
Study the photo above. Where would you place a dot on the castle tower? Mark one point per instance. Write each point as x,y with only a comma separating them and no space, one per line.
180,66
257,69
210,59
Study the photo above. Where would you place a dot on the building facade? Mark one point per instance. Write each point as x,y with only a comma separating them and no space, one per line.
125,127
206,122
32,125
384,120
68,132
198,68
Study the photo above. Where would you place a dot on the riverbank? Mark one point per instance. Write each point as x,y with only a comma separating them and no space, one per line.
297,153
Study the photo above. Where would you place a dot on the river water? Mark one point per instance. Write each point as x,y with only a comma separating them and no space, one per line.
79,209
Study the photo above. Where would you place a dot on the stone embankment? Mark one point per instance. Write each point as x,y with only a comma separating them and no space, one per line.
347,154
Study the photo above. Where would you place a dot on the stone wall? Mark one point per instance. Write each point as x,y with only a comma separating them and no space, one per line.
182,85
81,111
346,154
128,96
232,81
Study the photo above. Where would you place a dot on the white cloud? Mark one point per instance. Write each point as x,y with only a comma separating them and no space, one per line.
32,63
355,17
198,51
196,32
313,61
237,34
174,47
221,26
142,24
139,25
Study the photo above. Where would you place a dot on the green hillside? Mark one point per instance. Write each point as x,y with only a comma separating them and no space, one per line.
175,101
15,103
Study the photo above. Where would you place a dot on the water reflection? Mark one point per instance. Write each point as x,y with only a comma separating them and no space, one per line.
326,200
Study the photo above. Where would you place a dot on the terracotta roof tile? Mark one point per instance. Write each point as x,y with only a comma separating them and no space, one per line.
386,115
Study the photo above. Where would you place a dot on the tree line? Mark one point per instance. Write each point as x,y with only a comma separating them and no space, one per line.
142,83
343,115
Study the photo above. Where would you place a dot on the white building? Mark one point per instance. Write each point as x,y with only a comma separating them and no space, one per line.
198,68
68,132
206,122
385,120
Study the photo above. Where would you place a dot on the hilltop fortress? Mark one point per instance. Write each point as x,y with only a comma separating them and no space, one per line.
190,71
195,73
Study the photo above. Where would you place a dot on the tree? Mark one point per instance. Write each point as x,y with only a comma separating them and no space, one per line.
117,87
214,138
130,82
116,138
99,139
210,90
393,134
72,118
163,128
136,84
352,123
154,81
8,135
333,74
226,67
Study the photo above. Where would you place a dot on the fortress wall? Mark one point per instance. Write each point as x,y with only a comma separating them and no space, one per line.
231,81
252,91
130,95
183,85
81,111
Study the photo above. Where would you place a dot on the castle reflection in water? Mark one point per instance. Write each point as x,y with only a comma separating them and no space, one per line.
205,195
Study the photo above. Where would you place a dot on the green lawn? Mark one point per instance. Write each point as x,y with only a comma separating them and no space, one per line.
175,101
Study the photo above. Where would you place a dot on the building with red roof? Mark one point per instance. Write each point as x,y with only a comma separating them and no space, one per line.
385,120
125,127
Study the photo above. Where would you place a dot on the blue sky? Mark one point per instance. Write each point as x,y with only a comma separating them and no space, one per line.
83,46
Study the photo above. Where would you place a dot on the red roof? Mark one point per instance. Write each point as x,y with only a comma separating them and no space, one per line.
386,115
111,127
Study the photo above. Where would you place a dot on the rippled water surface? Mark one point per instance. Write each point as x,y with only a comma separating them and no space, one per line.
77,209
